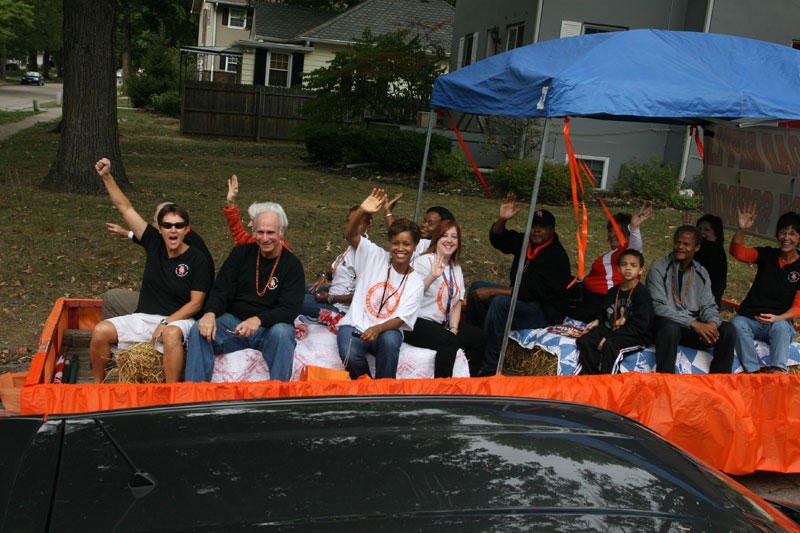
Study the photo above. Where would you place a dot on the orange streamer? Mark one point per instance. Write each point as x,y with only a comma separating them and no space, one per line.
694,130
464,147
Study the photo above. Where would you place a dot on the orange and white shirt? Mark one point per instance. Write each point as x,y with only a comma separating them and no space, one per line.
604,273
378,298
449,284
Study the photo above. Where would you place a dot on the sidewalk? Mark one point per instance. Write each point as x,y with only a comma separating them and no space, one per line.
48,114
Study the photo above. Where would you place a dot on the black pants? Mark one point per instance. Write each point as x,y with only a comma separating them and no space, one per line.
594,361
433,336
670,334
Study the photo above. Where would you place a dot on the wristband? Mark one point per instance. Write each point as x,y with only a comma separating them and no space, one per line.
130,235
164,321
389,215
322,274
330,298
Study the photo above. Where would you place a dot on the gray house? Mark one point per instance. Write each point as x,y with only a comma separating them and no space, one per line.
484,29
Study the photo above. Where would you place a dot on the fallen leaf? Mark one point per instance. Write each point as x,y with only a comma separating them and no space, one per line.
28,270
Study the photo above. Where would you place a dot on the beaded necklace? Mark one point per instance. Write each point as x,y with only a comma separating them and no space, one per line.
621,320
675,282
258,264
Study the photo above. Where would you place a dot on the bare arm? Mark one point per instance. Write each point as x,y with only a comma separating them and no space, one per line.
388,207
745,221
188,310
120,201
371,204
455,317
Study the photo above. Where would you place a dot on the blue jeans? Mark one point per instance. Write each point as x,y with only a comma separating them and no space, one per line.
386,349
527,315
311,307
275,343
780,335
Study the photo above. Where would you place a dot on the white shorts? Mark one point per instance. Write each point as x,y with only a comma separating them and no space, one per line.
139,327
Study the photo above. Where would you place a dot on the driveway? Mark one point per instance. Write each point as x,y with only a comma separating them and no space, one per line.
20,97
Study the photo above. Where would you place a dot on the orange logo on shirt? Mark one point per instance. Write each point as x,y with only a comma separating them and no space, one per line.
441,298
374,296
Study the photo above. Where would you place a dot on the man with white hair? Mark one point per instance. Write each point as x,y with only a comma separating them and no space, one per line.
253,303
231,212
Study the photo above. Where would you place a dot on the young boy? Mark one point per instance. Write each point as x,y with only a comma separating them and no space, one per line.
624,325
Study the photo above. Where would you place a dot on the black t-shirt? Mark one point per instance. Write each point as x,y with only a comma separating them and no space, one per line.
167,282
234,289
712,256
774,287
192,238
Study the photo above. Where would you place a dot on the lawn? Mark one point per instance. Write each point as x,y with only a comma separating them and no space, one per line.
7,117
55,245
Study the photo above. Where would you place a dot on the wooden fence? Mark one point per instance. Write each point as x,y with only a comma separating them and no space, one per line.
246,111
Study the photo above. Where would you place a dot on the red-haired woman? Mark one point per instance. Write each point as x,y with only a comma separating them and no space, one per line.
438,325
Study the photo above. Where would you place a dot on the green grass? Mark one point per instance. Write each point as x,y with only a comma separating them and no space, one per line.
55,245
7,117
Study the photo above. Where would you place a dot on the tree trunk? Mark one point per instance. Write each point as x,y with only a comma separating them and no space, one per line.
3,61
46,65
89,124
126,46
32,66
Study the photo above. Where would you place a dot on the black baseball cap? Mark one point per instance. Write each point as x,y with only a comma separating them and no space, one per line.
544,217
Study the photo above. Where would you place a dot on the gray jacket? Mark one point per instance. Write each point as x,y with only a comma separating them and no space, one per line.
699,303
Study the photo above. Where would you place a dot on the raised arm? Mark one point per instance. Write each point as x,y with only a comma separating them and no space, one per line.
745,221
120,201
388,208
371,204
508,210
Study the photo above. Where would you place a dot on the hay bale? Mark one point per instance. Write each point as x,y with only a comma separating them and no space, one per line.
794,369
139,364
535,362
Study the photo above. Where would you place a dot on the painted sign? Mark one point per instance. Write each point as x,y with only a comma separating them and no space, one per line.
759,165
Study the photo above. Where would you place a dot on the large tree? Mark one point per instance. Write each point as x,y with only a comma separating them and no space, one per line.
89,123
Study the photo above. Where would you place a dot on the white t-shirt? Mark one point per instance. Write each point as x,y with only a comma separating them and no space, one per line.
375,302
422,246
434,301
344,276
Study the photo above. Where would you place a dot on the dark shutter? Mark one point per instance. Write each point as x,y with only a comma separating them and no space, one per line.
297,69
249,22
260,72
225,16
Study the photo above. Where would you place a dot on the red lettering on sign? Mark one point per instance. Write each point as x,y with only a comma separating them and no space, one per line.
769,152
786,162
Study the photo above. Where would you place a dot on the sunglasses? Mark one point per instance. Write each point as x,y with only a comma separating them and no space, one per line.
169,225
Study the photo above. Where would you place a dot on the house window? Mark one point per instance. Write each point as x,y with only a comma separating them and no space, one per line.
598,166
588,29
514,36
492,42
278,70
467,50
229,63
237,17
570,28
796,44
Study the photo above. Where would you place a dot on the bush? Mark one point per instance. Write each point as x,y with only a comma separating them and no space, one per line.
518,176
167,103
159,72
448,167
392,149
654,181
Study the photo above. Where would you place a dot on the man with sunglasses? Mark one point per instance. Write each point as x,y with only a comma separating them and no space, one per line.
175,283
117,302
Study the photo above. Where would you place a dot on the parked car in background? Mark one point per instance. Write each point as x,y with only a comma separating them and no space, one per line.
388,463
32,78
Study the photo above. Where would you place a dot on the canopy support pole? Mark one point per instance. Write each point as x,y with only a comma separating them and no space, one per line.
431,121
524,251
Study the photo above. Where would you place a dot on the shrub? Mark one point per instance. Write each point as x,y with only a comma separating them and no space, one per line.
328,143
654,181
518,176
167,103
448,167
392,149
159,72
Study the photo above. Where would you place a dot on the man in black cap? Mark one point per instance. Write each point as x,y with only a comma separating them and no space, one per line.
542,291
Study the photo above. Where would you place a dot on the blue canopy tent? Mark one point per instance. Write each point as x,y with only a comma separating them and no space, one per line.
640,75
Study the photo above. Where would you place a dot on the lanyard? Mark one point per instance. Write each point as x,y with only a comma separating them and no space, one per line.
402,286
451,291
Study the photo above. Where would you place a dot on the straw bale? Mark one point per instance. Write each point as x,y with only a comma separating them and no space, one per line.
139,364
535,362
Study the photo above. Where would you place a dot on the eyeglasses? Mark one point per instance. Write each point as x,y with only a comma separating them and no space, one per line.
169,225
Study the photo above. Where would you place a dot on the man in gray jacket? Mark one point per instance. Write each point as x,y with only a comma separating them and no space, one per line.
686,312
